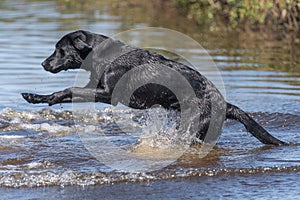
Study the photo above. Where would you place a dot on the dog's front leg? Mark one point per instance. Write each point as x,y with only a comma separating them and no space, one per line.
76,94
60,97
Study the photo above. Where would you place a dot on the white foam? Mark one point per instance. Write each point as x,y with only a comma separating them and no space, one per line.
30,115
16,120
50,128
34,165
5,111
11,136
54,128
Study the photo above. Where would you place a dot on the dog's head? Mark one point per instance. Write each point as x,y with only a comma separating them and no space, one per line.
70,51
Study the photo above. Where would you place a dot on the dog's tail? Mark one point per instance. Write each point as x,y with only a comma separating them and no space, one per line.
233,112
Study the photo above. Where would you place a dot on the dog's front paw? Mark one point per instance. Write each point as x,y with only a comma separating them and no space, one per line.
28,97
35,98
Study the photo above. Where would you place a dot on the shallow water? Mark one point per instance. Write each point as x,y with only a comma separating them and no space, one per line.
40,146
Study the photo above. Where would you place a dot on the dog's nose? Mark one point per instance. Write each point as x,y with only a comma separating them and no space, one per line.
43,63
46,65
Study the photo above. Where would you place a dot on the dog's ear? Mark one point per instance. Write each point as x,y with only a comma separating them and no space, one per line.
81,45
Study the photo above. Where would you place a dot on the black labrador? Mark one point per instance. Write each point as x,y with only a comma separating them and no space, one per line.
72,50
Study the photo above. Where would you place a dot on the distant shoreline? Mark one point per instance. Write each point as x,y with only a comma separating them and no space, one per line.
279,15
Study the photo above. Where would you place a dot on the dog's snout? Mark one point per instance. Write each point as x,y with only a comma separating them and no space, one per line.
51,66
43,63
46,65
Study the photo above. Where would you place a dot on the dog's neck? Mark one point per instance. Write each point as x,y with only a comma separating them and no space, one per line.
93,40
